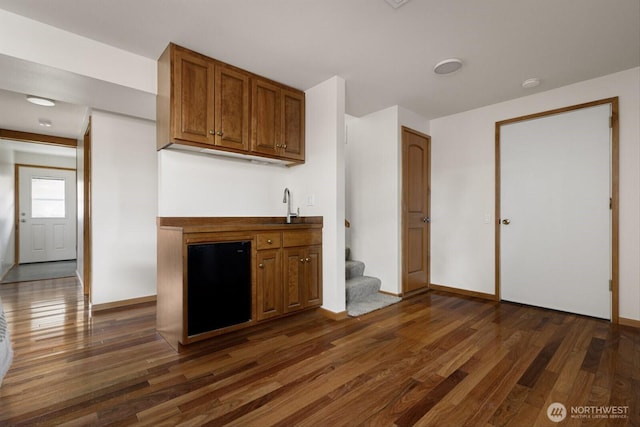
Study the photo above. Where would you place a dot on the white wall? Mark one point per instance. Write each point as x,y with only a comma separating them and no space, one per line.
323,178
200,185
80,168
462,245
124,206
43,44
373,195
37,159
374,191
7,209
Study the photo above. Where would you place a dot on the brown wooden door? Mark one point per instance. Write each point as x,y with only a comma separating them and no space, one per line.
415,210
265,118
193,97
231,108
313,276
269,284
294,279
292,125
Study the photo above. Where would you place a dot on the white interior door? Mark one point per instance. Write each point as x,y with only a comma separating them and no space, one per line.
46,214
555,231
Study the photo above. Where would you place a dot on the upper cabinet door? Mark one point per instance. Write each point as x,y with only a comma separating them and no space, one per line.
193,97
265,117
231,108
292,125
205,103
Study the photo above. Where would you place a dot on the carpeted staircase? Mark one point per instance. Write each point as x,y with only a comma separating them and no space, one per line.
363,294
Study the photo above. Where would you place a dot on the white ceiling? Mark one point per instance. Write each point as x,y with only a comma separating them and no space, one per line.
385,55
18,114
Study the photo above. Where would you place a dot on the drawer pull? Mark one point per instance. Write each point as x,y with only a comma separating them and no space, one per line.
269,241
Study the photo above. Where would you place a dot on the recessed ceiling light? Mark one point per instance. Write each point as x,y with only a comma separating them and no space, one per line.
40,101
447,66
396,3
45,123
530,83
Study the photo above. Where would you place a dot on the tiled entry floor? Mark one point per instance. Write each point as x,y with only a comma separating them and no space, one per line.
40,271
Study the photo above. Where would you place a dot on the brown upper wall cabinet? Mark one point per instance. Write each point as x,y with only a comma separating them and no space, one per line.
204,103
277,121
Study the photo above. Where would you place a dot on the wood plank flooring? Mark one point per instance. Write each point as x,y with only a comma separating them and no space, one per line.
432,360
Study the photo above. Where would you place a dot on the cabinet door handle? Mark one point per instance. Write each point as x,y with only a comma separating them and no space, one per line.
301,259
307,259
212,132
269,241
260,265
220,133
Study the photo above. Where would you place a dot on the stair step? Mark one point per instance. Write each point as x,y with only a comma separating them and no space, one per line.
361,287
353,269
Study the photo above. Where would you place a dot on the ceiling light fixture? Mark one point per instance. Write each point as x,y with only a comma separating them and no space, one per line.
396,3
45,123
447,66
531,83
40,101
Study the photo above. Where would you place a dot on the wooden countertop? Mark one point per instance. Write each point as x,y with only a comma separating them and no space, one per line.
218,224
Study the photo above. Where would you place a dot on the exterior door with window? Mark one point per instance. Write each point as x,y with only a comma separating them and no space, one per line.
46,214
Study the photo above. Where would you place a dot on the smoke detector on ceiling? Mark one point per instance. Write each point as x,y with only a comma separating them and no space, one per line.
447,66
396,3
531,83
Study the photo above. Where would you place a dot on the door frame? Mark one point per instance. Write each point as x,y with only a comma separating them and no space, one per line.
36,138
86,229
405,215
614,125
16,202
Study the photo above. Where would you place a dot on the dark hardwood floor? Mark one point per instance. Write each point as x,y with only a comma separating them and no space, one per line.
435,359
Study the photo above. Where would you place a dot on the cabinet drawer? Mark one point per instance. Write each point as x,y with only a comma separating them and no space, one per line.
268,240
301,238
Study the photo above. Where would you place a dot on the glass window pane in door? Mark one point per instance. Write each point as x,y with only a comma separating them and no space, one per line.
48,198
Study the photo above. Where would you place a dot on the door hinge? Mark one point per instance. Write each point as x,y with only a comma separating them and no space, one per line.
610,285
610,202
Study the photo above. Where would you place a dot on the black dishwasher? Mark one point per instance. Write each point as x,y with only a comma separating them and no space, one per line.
219,285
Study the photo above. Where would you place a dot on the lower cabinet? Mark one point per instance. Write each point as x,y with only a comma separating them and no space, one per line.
289,277
302,277
269,284
217,275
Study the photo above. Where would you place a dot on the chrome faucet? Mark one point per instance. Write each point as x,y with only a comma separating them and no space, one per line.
287,199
